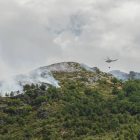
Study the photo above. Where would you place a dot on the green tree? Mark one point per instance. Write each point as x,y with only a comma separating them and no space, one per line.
26,110
30,93
6,94
26,87
17,102
121,82
40,99
11,110
28,132
114,123
43,87
12,94
10,120
72,86
121,95
21,121
130,87
18,92
36,86
10,103
32,86
115,90
5,130
114,80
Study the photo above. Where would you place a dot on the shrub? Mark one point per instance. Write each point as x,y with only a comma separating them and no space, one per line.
21,121
26,110
5,130
11,110
10,103
40,99
10,120
17,102
72,87
28,132
88,91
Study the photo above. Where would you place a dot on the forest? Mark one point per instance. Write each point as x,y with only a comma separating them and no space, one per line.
107,111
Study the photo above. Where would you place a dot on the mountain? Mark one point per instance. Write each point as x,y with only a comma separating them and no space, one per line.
79,103
50,75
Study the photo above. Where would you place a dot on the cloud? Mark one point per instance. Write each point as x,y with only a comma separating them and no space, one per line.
35,33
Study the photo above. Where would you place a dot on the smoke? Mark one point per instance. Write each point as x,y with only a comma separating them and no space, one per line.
38,76
120,75
125,76
87,67
9,84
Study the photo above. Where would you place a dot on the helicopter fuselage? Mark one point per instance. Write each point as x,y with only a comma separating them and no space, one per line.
109,61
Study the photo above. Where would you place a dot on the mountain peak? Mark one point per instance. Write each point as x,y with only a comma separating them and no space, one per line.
53,74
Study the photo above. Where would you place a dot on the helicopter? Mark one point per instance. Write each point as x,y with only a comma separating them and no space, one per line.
109,60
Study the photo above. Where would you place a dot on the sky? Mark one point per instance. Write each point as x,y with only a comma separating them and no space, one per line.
35,33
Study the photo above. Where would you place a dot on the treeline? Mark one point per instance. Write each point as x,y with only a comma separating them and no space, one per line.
77,111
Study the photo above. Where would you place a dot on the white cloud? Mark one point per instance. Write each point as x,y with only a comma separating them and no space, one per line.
34,33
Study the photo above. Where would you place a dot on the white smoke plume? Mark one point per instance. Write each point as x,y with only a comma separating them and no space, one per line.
125,76
87,67
16,83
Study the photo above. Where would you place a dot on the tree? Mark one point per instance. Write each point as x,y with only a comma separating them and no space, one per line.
26,110
11,110
21,121
36,86
10,120
115,90
79,131
30,93
130,87
72,86
40,99
121,95
26,87
17,102
114,80
18,92
12,94
121,82
43,87
10,103
114,123
32,86
6,94
28,132
5,130
88,91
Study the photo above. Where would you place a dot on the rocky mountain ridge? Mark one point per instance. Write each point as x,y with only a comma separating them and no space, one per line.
53,74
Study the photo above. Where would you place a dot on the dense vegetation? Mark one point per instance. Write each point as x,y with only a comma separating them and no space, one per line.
109,110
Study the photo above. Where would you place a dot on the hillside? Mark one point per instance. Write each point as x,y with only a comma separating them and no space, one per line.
46,76
88,105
